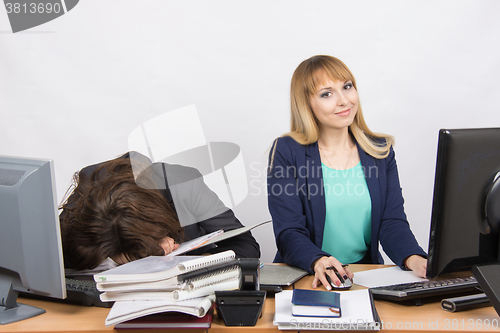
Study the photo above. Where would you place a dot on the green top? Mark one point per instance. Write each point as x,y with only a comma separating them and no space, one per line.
348,214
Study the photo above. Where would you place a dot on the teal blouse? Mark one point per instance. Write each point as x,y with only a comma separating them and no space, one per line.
347,230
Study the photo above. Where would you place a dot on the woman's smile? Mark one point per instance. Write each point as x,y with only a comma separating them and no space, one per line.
344,113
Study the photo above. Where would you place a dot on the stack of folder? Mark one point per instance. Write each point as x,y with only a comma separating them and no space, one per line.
167,283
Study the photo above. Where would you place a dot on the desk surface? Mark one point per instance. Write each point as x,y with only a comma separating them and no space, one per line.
395,317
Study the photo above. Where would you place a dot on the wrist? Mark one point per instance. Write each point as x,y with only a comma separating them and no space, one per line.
313,265
405,262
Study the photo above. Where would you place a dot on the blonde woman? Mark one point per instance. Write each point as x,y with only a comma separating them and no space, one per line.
333,185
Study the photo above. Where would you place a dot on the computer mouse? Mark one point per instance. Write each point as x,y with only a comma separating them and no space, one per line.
344,284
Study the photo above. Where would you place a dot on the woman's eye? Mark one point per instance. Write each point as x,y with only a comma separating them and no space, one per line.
348,86
326,94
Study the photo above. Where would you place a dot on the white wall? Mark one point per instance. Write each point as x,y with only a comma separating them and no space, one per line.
74,88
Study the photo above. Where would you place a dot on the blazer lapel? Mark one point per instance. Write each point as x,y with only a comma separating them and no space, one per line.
314,185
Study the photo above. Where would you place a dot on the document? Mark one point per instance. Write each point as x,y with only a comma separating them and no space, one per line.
385,277
214,237
196,243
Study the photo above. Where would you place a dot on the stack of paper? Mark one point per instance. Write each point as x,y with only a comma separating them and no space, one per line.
358,313
155,285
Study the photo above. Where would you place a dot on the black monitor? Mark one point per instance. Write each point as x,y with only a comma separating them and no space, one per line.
30,241
466,204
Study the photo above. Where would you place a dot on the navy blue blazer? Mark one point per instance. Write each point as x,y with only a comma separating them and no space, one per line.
297,205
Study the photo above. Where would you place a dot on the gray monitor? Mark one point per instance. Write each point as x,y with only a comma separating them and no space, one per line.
30,239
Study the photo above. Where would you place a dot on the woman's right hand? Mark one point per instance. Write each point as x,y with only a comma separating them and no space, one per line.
320,270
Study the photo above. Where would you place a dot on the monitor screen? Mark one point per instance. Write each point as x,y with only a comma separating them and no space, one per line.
30,241
467,163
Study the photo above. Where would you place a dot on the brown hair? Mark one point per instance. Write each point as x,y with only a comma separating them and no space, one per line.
109,215
304,128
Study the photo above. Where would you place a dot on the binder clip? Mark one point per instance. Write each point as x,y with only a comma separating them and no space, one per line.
242,307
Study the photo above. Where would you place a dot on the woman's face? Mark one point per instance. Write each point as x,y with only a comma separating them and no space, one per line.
334,104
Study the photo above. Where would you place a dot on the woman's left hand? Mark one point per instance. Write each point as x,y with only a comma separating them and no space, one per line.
168,244
417,264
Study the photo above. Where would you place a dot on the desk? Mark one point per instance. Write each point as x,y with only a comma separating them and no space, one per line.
396,317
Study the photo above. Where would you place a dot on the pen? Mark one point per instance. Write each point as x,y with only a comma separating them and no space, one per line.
333,267
342,279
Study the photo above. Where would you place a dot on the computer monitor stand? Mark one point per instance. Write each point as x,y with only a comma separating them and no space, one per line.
10,310
487,277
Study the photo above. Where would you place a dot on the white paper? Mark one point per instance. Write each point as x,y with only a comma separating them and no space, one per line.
107,264
195,243
234,232
214,237
385,277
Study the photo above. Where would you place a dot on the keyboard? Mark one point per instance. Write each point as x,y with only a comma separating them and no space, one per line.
416,290
78,291
84,292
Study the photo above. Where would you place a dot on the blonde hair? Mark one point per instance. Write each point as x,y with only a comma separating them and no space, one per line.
304,128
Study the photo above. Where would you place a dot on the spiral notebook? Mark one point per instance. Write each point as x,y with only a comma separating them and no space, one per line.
156,268
201,286
185,281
